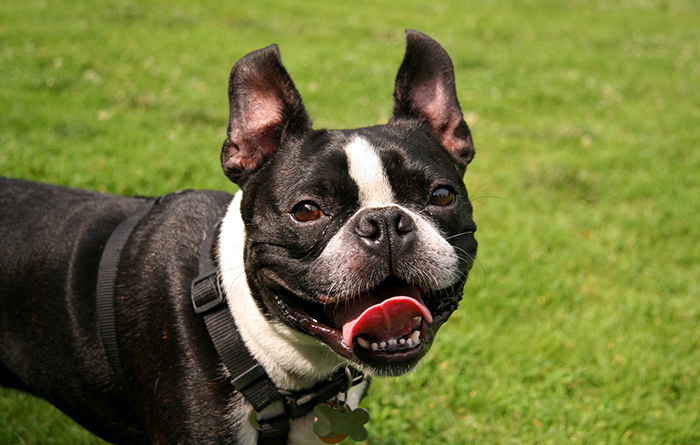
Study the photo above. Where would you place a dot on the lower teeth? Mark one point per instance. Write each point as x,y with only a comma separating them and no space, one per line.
413,340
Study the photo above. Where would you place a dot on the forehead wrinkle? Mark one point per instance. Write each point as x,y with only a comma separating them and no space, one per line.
368,172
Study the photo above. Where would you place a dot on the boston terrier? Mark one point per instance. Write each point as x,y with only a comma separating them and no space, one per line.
338,259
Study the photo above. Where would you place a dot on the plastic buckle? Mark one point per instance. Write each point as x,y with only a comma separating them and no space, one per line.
206,293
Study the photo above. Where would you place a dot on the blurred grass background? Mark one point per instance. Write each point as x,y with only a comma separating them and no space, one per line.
581,321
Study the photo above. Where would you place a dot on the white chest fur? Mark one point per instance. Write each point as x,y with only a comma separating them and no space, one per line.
285,353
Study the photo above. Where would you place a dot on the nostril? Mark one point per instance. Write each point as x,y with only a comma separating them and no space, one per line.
368,227
404,224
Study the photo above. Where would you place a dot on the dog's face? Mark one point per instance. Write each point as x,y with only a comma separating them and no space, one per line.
361,238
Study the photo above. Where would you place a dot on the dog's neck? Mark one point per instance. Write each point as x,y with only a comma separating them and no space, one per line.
292,359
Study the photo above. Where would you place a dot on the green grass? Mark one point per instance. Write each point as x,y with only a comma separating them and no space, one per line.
581,321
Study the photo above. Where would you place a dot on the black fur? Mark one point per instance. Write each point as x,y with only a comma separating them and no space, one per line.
52,242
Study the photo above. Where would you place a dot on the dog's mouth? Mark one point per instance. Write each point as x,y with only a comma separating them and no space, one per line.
390,325
386,317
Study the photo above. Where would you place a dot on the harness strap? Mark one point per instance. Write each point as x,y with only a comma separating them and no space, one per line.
247,376
106,278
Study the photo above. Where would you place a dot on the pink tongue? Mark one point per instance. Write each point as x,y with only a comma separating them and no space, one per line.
386,320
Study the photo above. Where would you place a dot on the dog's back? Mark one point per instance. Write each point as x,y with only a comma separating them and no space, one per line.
52,240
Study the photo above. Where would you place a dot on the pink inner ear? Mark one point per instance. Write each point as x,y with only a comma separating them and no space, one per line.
262,112
253,138
452,143
432,100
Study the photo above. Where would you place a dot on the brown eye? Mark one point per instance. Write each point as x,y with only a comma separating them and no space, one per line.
442,197
306,211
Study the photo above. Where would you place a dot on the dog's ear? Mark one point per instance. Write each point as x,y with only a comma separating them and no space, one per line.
265,110
425,89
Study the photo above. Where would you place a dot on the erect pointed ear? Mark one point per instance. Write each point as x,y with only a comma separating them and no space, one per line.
425,89
265,110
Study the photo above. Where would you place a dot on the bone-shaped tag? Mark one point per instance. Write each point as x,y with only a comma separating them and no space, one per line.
334,425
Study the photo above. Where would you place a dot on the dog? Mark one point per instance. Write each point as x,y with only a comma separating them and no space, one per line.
338,259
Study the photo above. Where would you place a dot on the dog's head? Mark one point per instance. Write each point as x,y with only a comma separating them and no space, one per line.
360,238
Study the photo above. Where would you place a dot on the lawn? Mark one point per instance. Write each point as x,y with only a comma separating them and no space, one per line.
581,321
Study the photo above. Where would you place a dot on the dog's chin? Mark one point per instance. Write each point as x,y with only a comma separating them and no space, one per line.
346,324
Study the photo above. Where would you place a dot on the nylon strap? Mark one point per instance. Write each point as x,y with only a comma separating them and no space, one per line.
106,278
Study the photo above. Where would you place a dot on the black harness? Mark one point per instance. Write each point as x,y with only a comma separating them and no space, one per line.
247,375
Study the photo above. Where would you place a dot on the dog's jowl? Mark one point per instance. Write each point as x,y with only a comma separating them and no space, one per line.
244,319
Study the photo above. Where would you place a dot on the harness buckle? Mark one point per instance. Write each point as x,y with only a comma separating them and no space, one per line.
206,292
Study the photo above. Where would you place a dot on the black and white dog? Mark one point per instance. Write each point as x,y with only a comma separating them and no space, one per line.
343,249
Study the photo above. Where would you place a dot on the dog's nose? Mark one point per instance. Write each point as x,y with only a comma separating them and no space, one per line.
386,230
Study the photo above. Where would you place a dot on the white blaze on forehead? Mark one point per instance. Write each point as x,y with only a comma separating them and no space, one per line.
368,172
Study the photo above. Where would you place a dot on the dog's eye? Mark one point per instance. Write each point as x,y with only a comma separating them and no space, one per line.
442,197
306,211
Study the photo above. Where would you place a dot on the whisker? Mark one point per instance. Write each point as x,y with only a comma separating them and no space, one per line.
460,234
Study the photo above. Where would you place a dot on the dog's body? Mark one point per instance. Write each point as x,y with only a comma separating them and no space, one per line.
342,248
